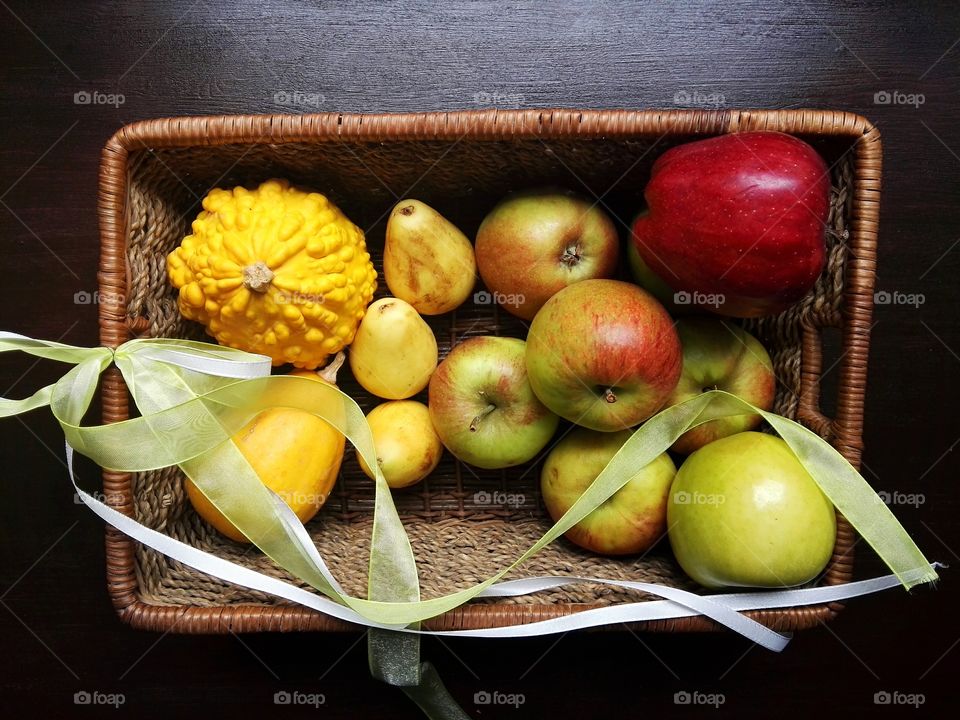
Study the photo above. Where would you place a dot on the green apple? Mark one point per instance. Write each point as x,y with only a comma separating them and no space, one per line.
719,355
603,354
629,521
645,278
743,512
483,408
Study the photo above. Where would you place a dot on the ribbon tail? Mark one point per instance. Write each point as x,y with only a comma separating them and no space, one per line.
394,658
433,698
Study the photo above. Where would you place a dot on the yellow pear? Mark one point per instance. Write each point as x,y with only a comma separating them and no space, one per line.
394,352
427,261
408,448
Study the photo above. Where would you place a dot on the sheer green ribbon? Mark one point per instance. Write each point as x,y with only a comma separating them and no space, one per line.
194,396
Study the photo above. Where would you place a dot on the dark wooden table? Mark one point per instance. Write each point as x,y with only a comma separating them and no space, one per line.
58,631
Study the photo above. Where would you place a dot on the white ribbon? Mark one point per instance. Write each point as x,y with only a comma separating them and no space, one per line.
725,609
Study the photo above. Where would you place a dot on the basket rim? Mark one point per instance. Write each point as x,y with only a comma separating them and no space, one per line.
845,429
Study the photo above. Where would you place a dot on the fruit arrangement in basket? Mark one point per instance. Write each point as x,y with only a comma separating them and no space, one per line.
733,228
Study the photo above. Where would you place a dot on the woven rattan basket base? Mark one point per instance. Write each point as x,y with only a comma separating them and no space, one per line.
460,535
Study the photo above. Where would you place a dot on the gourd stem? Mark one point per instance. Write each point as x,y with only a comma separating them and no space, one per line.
329,373
257,277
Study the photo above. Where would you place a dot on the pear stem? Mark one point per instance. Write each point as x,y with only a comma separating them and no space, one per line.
475,423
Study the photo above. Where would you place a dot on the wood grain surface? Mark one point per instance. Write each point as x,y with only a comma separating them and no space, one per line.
898,65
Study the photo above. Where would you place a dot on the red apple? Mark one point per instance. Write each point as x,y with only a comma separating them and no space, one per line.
736,223
537,242
603,354
719,355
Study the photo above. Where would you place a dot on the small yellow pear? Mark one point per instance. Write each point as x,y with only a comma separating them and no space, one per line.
427,261
408,448
394,352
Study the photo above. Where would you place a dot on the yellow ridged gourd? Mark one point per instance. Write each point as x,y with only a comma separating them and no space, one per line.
276,270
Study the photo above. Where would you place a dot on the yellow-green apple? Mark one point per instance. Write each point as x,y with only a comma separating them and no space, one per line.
482,406
737,222
603,354
649,281
537,242
743,512
629,521
718,355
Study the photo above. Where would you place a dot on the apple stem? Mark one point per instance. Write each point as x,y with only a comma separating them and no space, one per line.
475,423
609,396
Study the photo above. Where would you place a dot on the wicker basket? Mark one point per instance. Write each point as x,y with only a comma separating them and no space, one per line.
152,176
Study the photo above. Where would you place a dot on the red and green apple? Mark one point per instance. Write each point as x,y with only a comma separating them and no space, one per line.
603,354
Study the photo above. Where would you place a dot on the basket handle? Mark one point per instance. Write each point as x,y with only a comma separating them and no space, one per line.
811,364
